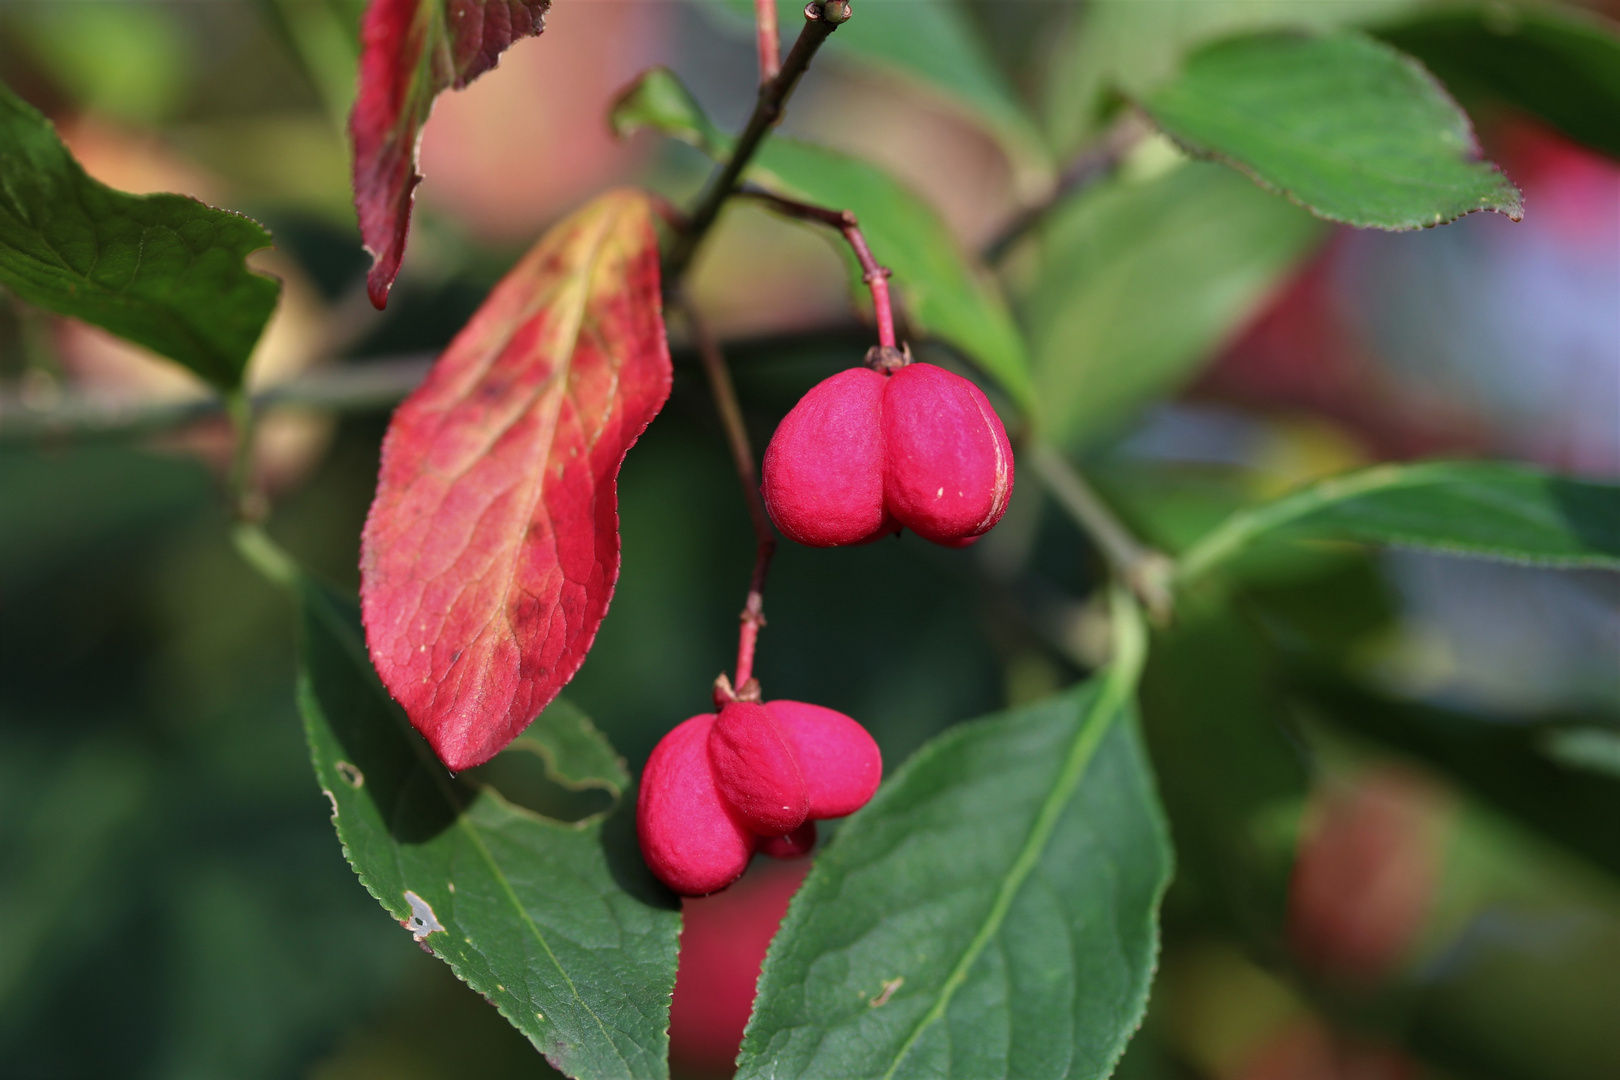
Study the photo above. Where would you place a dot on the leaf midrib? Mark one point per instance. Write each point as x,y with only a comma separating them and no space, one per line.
1099,718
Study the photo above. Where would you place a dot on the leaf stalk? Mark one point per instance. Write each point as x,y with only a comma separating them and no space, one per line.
1147,572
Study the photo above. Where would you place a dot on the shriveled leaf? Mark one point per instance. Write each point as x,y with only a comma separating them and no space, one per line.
492,548
932,44
1341,124
1557,63
1134,46
163,271
559,925
1483,509
942,293
1141,282
991,913
411,51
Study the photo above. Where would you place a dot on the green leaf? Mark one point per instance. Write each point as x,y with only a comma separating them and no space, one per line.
932,44
943,293
992,912
1142,282
164,271
1559,64
659,101
1482,509
559,925
1133,46
1343,125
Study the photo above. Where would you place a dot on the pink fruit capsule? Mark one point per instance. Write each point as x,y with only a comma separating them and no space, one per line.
691,839
823,475
795,845
756,770
841,764
948,465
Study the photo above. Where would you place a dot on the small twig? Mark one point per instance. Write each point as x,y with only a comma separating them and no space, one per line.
875,276
265,555
342,387
820,20
247,502
1146,571
1092,165
770,41
742,456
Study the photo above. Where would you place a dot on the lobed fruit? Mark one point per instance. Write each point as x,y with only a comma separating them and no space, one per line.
755,770
691,839
864,454
754,777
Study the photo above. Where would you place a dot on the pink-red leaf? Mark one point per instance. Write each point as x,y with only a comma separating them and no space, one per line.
411,51
492,548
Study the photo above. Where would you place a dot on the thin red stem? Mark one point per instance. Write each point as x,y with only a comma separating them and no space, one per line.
875,276
770,40
742,456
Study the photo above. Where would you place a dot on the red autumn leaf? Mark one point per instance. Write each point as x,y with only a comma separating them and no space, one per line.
411,51
492,548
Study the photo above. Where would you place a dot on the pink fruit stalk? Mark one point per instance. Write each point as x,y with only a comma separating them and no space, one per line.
756,771
756,777
864,453
690,838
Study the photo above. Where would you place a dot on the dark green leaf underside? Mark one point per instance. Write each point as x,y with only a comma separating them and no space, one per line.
163,271
559,925
1343,125
991,913
1468,508
1555,63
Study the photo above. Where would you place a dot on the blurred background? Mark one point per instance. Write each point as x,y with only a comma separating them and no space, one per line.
1393,779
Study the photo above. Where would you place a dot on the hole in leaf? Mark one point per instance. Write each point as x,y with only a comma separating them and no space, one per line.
523,780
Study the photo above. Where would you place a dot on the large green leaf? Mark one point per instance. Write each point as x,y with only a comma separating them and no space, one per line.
991,913
558,924
1483,509
1341,124
1132,46
931,43
1556,63
1141,282
164,271
943,293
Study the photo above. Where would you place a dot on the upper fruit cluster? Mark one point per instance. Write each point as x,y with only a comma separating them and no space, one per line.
866,453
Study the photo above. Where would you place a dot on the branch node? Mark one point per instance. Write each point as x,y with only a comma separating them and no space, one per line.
886,359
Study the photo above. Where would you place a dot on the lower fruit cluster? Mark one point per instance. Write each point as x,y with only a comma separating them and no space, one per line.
754,777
